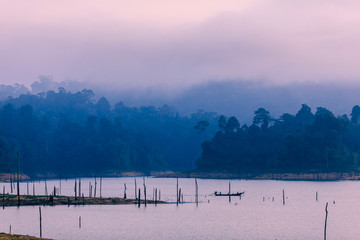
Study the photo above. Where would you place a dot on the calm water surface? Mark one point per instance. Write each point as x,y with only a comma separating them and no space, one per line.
260,214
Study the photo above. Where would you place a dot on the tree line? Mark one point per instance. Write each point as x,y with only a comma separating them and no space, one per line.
60,131
300,142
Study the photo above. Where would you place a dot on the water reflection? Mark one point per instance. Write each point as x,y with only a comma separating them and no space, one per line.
259,214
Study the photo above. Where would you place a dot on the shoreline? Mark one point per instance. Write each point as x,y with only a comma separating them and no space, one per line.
286,176
6,236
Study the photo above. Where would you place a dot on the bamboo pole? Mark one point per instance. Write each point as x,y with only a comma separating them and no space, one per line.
326,215
125,190
317,199
79,221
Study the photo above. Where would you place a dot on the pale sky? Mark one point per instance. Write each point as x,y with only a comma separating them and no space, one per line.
178,43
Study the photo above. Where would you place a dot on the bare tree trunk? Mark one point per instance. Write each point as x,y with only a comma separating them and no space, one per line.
40,222
177,191
283,197
326,215
17,179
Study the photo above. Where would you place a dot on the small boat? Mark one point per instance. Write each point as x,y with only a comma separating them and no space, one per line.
228,194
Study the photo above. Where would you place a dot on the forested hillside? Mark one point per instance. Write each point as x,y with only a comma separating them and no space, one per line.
58,132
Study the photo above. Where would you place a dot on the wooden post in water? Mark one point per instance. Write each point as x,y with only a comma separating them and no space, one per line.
317,196
11,185
4,197
54,191
177,191
46,190
75,188
283,197
144,191
159,195
40,222
125,190
179,196
135,189
229,192
89,189
95,187
60,186
79,187
79,221
196,193
17,179
139,198
27,188
100,186
326,215
155,196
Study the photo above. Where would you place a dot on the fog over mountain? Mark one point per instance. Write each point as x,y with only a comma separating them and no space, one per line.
238,98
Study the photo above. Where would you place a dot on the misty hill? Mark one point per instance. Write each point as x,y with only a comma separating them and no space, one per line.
60,131
231,98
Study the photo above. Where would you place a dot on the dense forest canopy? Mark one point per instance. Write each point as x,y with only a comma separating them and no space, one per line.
60,131
300,142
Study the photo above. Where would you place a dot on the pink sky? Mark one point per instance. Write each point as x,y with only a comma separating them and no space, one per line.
177,43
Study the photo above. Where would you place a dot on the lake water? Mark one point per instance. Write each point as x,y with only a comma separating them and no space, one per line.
259,214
